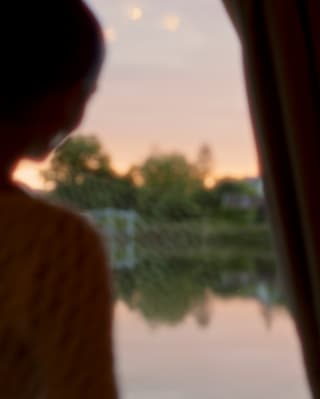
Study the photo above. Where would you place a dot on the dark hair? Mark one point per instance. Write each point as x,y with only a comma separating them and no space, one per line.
45,45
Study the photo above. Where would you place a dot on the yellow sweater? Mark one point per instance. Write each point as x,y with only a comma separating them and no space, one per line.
55,305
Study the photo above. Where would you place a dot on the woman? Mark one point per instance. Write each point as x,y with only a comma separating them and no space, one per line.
55,306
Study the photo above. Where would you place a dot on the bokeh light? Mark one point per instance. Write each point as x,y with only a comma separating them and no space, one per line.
111,34
135,13
171,22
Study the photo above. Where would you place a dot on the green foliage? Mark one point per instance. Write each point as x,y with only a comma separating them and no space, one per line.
168,185
76,159
203,236
206,200
188,240
169,288
179,264
168,171
171,188
172,206
230,200
233,187
83,177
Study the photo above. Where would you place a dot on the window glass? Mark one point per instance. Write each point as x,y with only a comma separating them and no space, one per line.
167,168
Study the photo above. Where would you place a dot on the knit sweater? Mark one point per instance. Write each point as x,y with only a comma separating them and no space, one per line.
55,304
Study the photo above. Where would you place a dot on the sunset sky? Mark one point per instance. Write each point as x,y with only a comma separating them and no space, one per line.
173,81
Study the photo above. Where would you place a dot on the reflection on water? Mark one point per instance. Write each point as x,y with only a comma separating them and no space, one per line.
235,356
205,318
206,325
166,288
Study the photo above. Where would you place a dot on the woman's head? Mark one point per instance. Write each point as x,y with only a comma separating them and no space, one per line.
52,53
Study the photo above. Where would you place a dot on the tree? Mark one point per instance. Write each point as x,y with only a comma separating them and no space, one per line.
169,171
234,190
205,167
235,200
168,182
82,176
204,162
76,159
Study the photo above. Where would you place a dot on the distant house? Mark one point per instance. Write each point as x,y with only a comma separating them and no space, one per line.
256,183
237,201
247,194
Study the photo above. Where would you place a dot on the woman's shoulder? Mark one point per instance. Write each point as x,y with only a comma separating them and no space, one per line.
69,236
33,213
64,218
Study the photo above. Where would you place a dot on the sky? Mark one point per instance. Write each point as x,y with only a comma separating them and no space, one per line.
172,82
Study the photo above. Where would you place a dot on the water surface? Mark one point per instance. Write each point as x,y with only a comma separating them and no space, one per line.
224,348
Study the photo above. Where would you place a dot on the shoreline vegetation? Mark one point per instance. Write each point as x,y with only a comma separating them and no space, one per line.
174,240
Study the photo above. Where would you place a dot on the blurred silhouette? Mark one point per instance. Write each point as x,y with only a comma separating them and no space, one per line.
55,306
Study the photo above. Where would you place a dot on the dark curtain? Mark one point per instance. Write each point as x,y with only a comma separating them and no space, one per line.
281,54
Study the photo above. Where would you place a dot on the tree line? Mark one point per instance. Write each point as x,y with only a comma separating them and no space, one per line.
164,186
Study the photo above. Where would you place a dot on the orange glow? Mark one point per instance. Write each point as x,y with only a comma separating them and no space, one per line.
111,34
28,173
135,13
171,23
209,182
137,178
